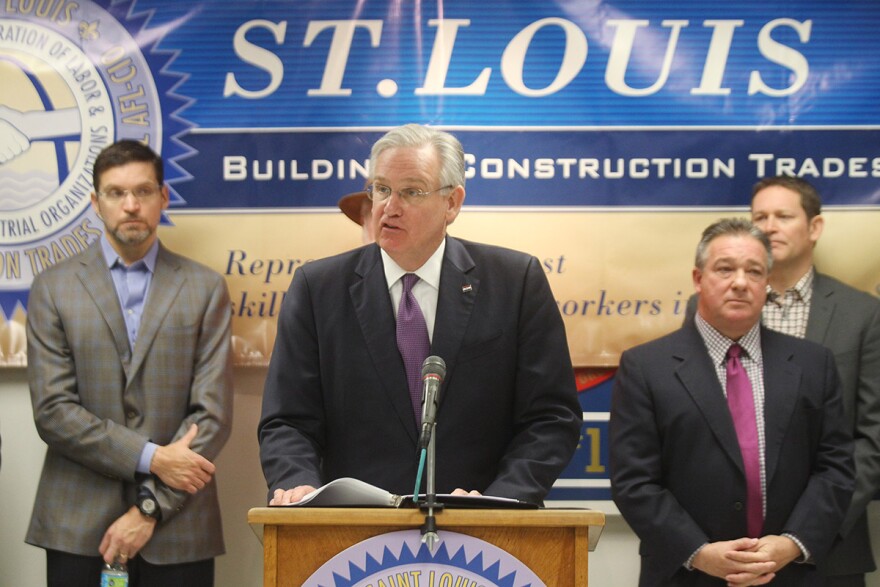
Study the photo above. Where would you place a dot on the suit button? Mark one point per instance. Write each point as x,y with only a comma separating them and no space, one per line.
738,505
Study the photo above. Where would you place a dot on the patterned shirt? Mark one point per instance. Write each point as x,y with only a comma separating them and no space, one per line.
717,344
789,311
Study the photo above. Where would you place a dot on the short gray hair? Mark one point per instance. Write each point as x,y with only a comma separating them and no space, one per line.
448,149
731,227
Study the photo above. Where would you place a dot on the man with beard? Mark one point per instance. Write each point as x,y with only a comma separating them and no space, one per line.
130,379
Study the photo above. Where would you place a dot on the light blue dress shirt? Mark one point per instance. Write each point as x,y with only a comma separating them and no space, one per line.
132,283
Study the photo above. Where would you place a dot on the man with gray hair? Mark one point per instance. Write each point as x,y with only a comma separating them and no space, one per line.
342,396
729,454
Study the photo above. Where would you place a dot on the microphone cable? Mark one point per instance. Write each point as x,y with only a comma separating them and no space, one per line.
419,472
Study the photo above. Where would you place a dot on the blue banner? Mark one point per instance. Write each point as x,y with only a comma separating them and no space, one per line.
631,106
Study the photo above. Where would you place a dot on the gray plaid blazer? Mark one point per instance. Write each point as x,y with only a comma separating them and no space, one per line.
97,401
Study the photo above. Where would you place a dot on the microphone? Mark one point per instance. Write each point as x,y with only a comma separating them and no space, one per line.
433,372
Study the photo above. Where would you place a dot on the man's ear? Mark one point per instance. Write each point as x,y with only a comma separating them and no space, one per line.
454,203
816,226
95,206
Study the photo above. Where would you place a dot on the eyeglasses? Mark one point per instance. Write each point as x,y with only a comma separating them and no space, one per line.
141,193
379,193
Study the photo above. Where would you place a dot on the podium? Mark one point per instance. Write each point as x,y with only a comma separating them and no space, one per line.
553,543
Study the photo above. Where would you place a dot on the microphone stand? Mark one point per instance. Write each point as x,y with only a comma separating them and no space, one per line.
429,528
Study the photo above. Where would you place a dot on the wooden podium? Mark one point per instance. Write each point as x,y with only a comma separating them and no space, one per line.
553,543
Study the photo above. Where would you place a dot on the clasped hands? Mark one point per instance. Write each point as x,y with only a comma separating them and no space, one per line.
746,561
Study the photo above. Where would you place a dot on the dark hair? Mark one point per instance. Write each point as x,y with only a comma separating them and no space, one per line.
810,200
731,227
126,151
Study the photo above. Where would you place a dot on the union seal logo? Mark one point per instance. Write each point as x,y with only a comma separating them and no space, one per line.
399,558
76,77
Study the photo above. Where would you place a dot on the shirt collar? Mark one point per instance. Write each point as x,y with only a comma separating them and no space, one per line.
111,257
717,344
429,272
803,289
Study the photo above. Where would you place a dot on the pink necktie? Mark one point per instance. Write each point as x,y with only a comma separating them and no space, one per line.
741,402
412,341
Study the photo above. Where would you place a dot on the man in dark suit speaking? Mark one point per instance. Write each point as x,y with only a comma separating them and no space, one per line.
729,454
341,395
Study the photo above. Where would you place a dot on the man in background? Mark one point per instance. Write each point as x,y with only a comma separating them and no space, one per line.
805,303
359,209
729,453
342,395
130,379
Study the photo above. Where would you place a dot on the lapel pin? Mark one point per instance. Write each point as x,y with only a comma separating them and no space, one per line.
467,288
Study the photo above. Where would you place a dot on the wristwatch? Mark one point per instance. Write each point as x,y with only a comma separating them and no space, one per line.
147,504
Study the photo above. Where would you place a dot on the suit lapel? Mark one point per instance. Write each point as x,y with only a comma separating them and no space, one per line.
821,309
164,287
459,287
372,305
782,380
95,278
700,379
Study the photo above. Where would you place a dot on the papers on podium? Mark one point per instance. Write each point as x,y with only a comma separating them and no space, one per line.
350,492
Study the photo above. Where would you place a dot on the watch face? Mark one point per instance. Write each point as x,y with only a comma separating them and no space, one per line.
148,506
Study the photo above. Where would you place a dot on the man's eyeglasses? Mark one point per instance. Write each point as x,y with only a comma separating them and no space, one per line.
379,193
141,193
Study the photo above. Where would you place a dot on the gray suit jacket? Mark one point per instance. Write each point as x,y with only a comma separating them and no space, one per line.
97,402
847,321
676,468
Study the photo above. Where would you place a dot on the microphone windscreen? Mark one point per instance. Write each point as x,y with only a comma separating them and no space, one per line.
434,365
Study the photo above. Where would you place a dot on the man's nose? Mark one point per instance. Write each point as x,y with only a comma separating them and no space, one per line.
129,202
394,203
740,278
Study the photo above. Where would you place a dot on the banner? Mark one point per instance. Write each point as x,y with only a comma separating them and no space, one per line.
601,137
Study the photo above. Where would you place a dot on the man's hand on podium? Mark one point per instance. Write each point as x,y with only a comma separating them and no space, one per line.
459,491
289,496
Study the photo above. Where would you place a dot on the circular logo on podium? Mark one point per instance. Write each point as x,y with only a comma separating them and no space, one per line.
400,558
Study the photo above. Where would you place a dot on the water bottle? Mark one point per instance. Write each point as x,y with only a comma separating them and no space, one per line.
114,574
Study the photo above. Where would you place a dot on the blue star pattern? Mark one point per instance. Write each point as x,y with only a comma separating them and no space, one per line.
399,559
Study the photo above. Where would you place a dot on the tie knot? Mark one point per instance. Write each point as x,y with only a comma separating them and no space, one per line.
409,280
734,352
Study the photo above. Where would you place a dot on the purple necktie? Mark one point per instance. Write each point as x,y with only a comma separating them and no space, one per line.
741,402
412,341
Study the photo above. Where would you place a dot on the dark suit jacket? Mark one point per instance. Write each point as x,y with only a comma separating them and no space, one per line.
336,402
97,402
676,468
847,321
